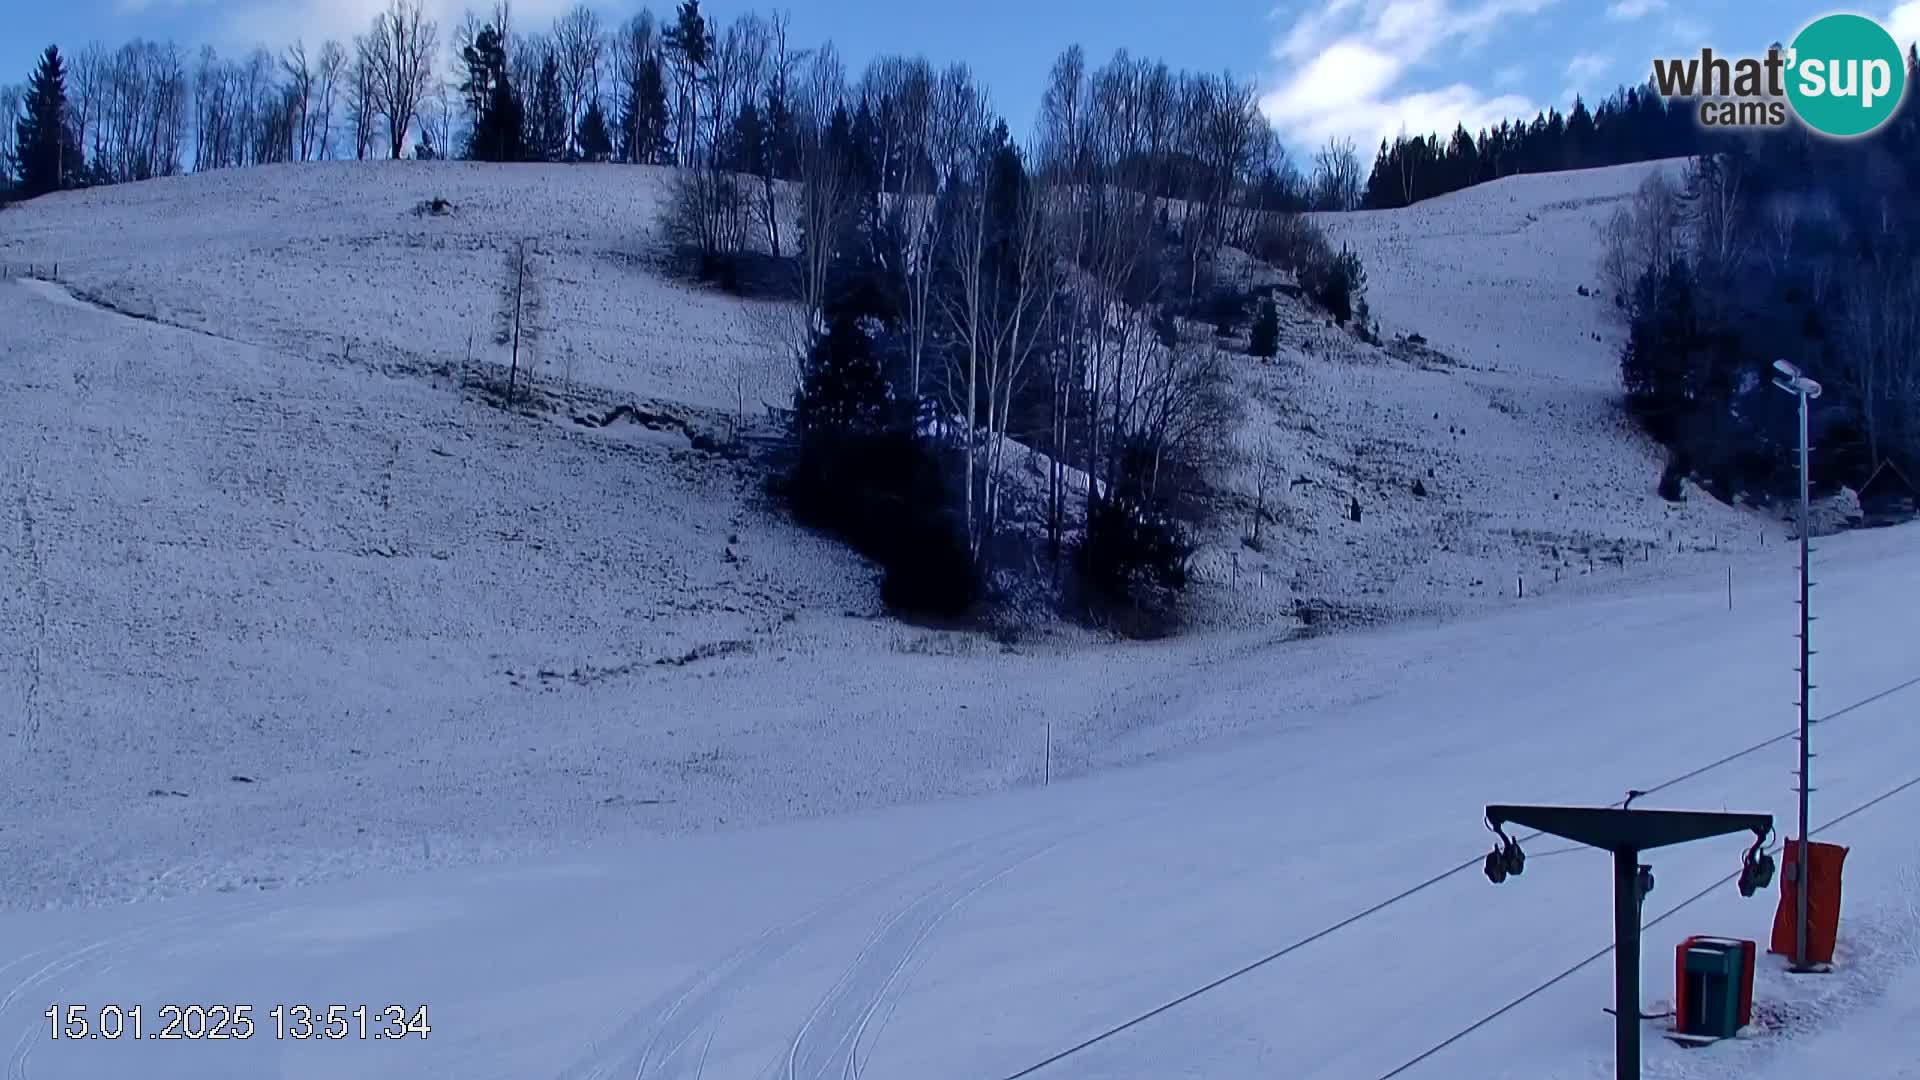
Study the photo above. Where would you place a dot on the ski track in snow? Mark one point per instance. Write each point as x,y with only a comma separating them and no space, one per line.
827,1044
679,1030
651,1044
51,968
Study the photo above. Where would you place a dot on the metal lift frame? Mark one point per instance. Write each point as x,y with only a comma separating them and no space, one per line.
1626,833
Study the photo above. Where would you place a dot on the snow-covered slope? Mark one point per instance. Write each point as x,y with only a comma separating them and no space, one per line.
323,261
288,614
978,937
253,502
1508,416
1531,475
1493,272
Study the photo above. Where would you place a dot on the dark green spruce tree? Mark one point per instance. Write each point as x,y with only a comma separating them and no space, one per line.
546,127
596,143
643,116
498,115
49,155
1265,339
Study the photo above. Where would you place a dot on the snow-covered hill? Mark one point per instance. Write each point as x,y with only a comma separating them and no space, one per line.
250,501
287,612
1531,476
314,260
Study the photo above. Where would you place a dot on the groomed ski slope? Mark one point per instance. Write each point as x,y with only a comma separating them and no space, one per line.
972,938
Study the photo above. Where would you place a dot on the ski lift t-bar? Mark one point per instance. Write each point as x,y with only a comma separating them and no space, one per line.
1626,833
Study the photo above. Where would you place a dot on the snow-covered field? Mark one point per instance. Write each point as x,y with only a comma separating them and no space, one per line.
973,938
323,682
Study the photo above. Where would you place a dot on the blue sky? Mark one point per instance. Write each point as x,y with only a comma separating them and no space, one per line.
1360,68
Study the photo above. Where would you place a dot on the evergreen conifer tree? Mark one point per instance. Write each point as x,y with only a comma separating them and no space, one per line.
643,115
546,126
1265,339
499,117
596,144
48,154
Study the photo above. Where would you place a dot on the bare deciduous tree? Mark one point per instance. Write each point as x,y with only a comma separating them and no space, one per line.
1221,132
782,61
363,100
517,324
1646,233
141,123
1022,316
1880,361
87,81
399,51
706,215
1066,156
822,89
827,200
966,299
927,107
525,57
1003,284
737,71
580,43
1714,212
300,82
436,118
12,95
1338,179
1266,463
332,68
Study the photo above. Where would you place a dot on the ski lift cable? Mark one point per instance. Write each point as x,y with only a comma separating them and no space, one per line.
1669,913
1421,887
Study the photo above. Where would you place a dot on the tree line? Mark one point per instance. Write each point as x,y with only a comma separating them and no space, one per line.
645,91
1777,245
1633,124
148,110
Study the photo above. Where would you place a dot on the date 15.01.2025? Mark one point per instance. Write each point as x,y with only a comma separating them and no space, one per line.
330,1023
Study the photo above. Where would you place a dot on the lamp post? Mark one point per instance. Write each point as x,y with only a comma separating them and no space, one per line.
1793,382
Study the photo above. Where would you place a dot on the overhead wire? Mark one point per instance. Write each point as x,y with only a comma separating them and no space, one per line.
1669,913
1436,879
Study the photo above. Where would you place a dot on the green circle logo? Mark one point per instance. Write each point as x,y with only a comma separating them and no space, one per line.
1846,75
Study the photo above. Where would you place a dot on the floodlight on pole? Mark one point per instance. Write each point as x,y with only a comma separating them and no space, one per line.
1791,380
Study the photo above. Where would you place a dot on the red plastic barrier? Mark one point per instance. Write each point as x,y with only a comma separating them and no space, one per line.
1823,900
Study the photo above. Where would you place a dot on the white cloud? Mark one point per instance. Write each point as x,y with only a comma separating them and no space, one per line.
1625,10
1509,75
1348,69
1692,31
1587,66
1904,23
1582,72
135,7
